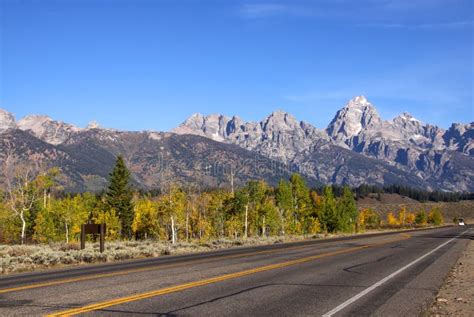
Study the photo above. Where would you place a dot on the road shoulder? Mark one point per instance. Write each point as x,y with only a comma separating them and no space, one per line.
456,296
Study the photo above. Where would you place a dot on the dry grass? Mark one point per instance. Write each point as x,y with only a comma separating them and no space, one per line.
20,258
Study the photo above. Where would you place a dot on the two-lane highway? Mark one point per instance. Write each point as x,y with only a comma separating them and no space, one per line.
385,275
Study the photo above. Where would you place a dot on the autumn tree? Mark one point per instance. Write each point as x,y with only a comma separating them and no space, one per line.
269,217
402,215
22,195
421,218
368,219
145,223
302,205
284,202
435,217
173,206
119,196
410,218
392,220
241,208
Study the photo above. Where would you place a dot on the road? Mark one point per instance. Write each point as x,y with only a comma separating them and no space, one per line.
396,274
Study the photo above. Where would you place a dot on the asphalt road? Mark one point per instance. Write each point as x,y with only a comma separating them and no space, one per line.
394,274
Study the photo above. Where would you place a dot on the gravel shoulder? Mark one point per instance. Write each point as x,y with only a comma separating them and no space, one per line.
456,296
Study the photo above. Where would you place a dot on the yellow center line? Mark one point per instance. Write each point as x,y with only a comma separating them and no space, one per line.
147,269
177,288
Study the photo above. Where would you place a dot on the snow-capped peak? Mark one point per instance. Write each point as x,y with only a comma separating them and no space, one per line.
356,116
358,101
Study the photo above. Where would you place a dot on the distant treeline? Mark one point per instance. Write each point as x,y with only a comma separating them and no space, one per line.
365,190
413,193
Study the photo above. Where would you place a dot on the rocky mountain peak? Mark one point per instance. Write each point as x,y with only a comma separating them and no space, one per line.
281,121
47,129
358,101
93,125
460,137
35,123
7,120
357,115
213,126
405,116
409,123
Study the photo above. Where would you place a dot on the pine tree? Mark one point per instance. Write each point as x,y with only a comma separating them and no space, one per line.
119,196
347,211
329,211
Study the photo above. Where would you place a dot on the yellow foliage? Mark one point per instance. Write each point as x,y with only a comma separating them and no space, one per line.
234,227
367,218
145,223
410,218
402,214
363,215
391,220
435,217
315,226
112,221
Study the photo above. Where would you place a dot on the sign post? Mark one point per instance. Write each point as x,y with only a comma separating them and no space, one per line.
91,228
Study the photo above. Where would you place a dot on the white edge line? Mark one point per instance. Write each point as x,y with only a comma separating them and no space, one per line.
371,288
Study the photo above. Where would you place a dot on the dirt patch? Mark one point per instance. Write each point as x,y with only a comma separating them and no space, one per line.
456,296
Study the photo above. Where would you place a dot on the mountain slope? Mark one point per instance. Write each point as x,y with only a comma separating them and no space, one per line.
157,160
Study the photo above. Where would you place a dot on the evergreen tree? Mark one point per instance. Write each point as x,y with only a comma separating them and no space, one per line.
347,211
329,215
119,196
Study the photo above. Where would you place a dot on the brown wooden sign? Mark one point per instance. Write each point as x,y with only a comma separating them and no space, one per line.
92,228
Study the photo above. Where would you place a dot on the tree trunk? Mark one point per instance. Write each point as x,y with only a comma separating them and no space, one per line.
173,232
263,227
246,221
187,224
45,197
282,223
23,228
67,233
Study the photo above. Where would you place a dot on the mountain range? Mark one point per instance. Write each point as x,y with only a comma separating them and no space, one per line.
357,147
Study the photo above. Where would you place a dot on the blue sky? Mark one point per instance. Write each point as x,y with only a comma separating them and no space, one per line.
143,64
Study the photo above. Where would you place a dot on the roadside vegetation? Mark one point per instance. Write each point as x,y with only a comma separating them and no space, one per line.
40,224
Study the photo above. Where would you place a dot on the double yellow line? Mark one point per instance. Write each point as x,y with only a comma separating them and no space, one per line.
173,289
